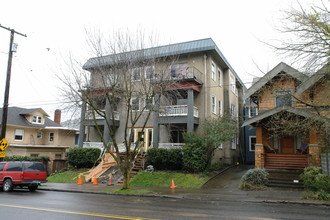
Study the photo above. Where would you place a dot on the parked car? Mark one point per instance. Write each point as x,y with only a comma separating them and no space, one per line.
28,174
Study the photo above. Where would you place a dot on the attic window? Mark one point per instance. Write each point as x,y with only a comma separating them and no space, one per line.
36,119
283,97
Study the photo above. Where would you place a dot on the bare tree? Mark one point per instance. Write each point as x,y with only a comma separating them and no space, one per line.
307,34
127,76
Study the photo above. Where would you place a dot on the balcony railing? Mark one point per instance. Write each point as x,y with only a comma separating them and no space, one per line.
90,113
186,73
177,110
170,145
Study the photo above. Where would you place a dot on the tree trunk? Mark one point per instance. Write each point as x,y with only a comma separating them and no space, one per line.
126,173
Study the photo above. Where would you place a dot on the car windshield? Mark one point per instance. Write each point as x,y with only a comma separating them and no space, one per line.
33,167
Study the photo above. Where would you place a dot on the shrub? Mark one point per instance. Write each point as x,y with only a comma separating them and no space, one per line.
256,177
26,158
83,157
314,180
165,159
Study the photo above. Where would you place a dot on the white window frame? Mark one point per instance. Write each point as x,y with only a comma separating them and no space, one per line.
152,76
220,108
234,143
135,98
250,143
220,77
213,104
39,134
20,133
220,146
133,75
233,110
251,116
51,136
232,84
37,119
213,68
145,103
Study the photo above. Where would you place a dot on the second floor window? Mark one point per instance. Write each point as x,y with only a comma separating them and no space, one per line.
283,97
213,104
39,134
253,111
220,108
233,111
19,134
36,119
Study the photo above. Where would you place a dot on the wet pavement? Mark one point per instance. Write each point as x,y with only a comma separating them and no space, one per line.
223,187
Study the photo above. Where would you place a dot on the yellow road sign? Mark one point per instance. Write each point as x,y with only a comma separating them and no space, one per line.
2,154
3,144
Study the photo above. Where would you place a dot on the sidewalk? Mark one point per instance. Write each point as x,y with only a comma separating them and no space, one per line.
223,187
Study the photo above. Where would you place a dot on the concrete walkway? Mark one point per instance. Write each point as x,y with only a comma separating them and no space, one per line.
224,187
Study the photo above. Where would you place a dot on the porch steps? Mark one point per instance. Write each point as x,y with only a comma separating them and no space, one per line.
138,166
286,161
285,179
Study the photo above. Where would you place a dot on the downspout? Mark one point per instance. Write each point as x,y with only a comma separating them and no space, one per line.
205,78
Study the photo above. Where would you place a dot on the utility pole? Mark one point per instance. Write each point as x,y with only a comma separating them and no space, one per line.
6,96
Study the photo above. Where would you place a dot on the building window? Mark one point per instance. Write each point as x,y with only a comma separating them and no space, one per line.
136,74
252,143
234,142
232,84
220,77
220,108
149,72
213,71
135,104
283,97
233,111
58,156
220,146
39,134
179,71
36,119
149,103
213,105
19,134
34,155
253,111
51,137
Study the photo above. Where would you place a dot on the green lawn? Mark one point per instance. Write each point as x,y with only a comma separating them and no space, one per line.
164,179
70,176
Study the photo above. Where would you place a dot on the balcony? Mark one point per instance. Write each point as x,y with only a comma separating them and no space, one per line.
185,72
177,110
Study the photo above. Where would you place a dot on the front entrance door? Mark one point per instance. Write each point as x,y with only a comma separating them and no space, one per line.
287,145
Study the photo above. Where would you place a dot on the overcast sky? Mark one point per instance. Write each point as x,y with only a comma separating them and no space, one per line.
56,28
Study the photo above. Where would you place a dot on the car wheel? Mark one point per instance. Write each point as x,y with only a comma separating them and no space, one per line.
32,188
8,185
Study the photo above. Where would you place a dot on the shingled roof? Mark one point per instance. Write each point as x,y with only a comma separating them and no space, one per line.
16,116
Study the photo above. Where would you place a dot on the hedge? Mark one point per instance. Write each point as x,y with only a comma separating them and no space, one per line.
165,159
83,157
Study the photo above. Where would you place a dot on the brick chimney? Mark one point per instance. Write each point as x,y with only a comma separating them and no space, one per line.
57,116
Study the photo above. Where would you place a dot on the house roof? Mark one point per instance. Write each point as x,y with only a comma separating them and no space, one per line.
316,77
163,51
16,117
281,67
295,111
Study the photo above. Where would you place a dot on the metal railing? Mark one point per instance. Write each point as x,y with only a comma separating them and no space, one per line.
190,72
177,110
170,145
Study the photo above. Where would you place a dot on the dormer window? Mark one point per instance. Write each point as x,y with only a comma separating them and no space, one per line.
36,119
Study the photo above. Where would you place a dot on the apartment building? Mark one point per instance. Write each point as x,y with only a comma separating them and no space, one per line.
205,86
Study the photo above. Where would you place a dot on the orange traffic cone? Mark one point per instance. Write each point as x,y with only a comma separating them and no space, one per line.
95,181
173,185
80,181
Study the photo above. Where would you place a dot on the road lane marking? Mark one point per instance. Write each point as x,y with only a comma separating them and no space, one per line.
78,213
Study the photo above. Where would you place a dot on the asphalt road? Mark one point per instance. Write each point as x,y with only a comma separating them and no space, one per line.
49,205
